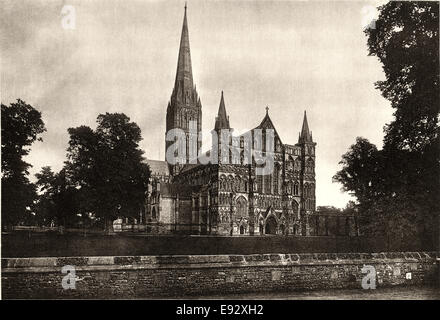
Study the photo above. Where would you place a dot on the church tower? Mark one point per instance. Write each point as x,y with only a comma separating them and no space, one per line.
307,179
221,123
184,109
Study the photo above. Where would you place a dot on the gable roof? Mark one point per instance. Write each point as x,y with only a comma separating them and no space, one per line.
267,123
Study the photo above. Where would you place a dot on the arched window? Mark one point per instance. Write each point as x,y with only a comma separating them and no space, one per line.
242,208
306,190
296,188
297,165
267,183
275,179
222,183
310,165
290,187
259,183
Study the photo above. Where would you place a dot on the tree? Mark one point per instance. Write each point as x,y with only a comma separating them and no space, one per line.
360,173
383,209
406,41
45,206
21,126
58,200
107,165
397,188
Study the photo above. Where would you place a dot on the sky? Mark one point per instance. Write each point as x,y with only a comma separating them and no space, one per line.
121,56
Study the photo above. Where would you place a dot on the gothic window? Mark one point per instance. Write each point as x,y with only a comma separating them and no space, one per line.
289,187
297,165
306,190
264,140
296,188
275,179
267,183
241,207
222,184
310,165
260,183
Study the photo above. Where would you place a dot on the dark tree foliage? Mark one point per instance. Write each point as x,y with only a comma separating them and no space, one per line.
397,188
107,166
359,164
406,41
57,203
21,125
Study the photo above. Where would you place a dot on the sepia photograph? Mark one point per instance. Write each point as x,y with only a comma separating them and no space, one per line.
227,151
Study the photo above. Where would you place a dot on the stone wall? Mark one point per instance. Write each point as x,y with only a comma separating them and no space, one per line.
148,276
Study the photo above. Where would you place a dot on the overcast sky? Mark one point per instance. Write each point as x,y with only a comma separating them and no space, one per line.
122,57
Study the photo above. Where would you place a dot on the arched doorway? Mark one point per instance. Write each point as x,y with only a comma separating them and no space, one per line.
271,226
241,229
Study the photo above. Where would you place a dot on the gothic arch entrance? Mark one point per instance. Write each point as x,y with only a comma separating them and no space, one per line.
241,229
271,226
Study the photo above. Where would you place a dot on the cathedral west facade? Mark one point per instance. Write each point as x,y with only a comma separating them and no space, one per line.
227,197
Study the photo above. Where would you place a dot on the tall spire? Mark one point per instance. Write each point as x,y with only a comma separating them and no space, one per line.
184,78
222,119
305,132
184,107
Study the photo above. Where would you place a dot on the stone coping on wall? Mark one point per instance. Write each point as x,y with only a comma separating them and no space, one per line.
53,264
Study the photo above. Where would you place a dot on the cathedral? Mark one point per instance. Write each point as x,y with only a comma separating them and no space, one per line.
226,197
